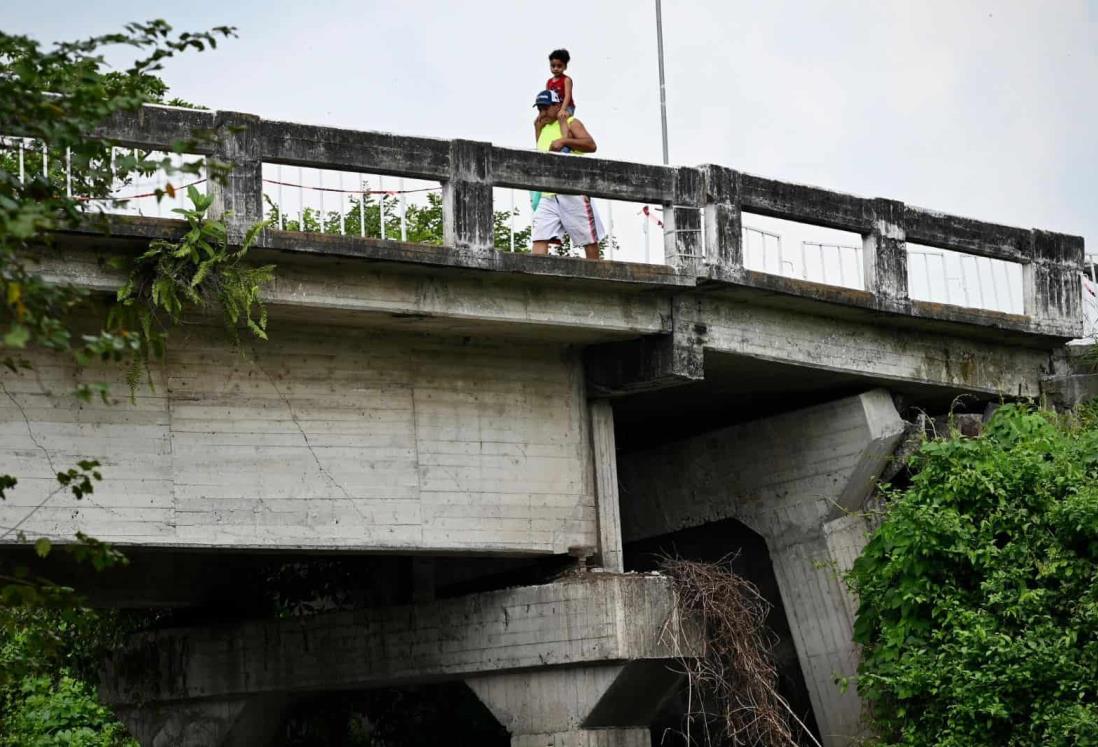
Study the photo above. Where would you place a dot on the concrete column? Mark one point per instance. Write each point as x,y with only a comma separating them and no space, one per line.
249,721
884,256
467,197
821,621
798,479
682,222
723,220
606,485
242,192
608,705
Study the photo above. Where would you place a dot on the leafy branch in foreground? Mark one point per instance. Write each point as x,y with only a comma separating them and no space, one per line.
57,99
198,271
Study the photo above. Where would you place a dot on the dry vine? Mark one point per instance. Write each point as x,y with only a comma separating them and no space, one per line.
733,685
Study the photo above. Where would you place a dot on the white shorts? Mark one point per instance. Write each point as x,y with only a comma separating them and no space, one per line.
575,214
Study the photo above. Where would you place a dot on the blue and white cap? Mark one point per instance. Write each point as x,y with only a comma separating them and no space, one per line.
547,98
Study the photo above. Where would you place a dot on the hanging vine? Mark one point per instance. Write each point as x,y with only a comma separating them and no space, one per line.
197,272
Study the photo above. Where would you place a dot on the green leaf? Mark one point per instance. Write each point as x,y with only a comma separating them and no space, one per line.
42,547
17,336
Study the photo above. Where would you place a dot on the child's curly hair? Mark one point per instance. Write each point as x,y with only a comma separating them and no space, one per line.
560,54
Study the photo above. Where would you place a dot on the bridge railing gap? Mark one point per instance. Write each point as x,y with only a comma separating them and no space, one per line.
702,206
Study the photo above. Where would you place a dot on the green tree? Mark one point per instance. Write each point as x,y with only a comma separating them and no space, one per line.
979,591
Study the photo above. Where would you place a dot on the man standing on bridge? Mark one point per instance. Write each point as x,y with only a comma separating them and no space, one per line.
556,213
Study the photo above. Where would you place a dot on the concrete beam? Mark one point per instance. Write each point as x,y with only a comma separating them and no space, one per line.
327,286
321,440
871,349
597,177
800,202
593,618
157,127
353,150
653,361
967,235
796,479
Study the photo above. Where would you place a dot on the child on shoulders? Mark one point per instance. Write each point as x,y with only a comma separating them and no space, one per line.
562,84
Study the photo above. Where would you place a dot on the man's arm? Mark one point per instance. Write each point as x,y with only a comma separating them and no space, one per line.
580,139
539,123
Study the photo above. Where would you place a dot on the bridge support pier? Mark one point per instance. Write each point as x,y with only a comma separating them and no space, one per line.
797,479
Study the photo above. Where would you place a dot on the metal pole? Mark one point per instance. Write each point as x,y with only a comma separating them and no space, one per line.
403,210
381,203
663,85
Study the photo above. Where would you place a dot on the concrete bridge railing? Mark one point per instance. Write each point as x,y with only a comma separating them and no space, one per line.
703,209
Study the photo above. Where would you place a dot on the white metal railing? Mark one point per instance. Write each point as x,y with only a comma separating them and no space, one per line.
370,205
1090,301
341,202
944,276
815,261
133,194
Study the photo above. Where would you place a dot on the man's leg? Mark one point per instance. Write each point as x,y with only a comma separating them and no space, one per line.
582,222
546,224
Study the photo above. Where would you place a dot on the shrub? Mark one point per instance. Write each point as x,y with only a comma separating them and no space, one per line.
979,591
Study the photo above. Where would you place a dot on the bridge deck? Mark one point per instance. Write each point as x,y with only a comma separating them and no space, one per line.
435,399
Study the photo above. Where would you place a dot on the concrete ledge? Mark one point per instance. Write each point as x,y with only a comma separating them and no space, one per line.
116,230
586,619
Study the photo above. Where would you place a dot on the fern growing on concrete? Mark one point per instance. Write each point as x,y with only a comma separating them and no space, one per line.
198,272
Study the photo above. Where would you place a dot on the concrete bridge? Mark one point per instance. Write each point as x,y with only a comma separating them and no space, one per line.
463,423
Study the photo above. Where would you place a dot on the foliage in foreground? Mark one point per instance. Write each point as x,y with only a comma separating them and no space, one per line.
55,99
979,592
44,712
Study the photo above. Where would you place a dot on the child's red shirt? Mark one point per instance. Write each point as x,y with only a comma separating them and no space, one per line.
557,84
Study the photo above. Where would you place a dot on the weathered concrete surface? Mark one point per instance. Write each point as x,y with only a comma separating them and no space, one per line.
250,721
590,619
609,705
1074,378
794,479
339,439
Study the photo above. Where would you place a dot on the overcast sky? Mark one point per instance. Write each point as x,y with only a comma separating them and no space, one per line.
985,109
